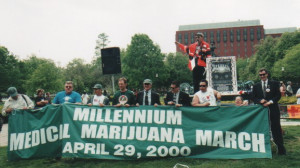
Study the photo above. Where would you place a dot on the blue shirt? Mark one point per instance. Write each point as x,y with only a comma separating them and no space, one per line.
62,97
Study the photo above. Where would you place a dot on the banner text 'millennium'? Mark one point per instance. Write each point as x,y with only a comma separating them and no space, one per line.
170,117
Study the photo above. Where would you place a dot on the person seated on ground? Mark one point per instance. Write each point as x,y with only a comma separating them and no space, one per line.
147,97
177,97
239,101
98,99
206,96
16,101
40,100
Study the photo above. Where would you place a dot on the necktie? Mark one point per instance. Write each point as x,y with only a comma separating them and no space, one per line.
146,98
264,88
174,98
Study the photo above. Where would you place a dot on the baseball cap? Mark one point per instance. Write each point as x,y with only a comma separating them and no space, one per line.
148,81
12,91
200,34
97,86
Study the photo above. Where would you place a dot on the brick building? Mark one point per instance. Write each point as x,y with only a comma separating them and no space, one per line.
230,38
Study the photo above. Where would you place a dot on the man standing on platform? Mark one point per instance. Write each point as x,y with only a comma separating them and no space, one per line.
147,96
177,97
198,52
267,93
123,97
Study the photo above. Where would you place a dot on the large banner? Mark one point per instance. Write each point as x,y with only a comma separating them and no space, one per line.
143,132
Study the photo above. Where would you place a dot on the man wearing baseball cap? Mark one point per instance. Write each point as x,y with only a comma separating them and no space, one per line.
147,97
98,99
16,101
198,52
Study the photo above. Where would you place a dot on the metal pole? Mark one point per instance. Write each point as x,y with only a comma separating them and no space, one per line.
113,83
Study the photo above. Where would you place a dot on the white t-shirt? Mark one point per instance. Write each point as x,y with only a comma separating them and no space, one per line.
98,99
85,98
207,96
298,99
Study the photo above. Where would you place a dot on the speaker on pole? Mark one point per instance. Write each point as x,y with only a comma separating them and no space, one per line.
111,62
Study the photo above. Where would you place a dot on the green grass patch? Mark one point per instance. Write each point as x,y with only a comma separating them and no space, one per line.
292,159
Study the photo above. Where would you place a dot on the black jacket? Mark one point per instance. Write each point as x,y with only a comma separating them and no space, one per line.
154,98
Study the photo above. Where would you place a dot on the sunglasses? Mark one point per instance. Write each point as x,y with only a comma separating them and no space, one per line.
146,83
262,74
202,85
68,87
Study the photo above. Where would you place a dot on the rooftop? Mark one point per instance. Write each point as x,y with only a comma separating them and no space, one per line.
239,23
280,30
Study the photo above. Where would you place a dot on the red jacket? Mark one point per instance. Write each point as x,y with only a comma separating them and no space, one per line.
194,50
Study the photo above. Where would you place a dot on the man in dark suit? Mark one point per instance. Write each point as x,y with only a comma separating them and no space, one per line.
267,93
177,97
147,96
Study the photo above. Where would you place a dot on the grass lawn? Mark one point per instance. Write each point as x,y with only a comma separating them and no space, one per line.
292,159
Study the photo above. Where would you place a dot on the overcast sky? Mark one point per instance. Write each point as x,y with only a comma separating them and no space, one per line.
62,30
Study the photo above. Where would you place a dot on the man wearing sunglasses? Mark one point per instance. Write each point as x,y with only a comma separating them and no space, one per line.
267,93
147,96
177,97
197,52
206,96
67,96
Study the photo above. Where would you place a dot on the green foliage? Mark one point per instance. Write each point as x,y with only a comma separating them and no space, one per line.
240,68
9,70
142,60
273,54
291,63
288,100
46,76
101,42
177,67
79,73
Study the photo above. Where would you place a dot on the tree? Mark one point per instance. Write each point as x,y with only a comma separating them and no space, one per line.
264,57
287,41
142,60
46,76
9,71
101,42
79,73
291,63
177,68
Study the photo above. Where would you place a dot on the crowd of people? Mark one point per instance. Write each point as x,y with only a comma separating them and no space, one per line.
266,93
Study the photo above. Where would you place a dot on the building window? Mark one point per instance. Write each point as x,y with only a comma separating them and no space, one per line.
205,36
258,34
231,36
186,38
179,38
238,35
192,37
212,36
218,36
251,34
245,34
225,36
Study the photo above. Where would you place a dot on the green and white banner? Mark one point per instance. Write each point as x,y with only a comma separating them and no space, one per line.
143,132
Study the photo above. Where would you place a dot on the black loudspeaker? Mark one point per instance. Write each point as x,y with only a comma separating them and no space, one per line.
111,62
